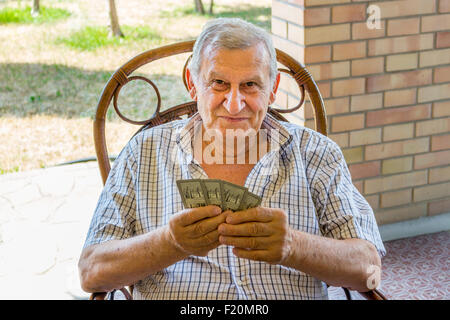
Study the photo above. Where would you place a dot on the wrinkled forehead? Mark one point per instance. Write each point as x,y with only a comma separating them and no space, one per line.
254,57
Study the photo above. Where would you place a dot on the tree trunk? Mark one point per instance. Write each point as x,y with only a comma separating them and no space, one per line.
35,10
115,28
211,4
199,6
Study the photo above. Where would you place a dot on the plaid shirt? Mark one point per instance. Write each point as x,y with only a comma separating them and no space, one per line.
306,176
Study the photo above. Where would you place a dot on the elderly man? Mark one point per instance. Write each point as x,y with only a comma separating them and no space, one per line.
313,227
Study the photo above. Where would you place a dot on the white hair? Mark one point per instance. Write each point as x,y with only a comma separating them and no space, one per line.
232,33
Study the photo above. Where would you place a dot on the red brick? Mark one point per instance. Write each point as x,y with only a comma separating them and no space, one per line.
365,170
332,70
327,33
433,93
366,102
434,191
347,123
351,50
398,132
361,31
405,61
399,27
444,6
396,149
403,8
340,138
443,39
441,109
434,57
441,75
396,198
400,97
400,44
398,181
438,207
399,80
440,142
317,16
287,12
365,137
317,54
435,126
325,89
400,214
397,115
337,106
435,23
349,13
348,87
439,174
432,159
367,66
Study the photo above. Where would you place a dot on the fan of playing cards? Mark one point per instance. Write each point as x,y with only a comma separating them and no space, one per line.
202,192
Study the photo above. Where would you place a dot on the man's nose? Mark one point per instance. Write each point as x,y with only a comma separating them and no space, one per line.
234,101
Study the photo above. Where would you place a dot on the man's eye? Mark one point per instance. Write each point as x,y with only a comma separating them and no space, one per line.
250,86
218,84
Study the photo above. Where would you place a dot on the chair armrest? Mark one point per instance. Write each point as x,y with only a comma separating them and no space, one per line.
98,296
373,295
102,295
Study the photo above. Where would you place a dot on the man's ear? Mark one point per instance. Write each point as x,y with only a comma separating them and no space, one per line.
191,85
273,93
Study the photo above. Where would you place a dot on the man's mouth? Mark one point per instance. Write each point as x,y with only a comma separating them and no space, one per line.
234,119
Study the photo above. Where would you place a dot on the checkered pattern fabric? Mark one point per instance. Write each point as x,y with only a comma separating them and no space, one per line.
306,176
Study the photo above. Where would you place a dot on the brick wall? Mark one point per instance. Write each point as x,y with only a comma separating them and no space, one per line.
386,91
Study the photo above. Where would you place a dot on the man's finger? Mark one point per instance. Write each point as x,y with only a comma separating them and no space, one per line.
190,216
246,229
246,242
257,255
258,214
204,226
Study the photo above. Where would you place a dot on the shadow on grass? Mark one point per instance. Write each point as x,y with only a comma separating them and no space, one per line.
41,89
257,15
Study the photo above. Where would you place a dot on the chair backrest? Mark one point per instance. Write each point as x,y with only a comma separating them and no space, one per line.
111,92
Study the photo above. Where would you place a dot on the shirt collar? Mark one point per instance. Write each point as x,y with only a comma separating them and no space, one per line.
278,136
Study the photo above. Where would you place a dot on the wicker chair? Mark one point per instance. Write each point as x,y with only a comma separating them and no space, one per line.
122,76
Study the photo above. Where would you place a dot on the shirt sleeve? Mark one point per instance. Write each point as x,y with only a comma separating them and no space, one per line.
115,214
342,211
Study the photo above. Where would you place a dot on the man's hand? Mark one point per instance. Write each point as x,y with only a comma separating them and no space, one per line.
194,231
259,234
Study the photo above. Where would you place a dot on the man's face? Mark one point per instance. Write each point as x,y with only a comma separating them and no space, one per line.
233,89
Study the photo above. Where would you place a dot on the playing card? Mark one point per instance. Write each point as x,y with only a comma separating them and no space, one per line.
213,192
232,195
250,200
191,192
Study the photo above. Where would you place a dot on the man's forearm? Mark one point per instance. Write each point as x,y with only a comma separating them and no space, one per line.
118,263
343,263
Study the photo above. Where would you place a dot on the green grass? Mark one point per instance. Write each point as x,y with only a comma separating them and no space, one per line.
259,16
91,38
23,15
